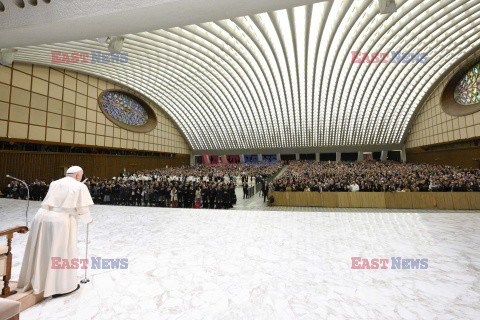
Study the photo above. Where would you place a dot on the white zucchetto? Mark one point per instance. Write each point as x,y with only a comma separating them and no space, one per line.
74,169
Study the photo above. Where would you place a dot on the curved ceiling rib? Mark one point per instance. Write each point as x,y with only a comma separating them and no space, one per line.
285,79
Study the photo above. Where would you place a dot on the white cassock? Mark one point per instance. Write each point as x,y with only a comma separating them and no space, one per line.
53,233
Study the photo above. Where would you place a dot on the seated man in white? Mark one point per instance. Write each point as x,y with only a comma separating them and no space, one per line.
53,233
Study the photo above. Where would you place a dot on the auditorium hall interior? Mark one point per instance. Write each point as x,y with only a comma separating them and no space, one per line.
239,159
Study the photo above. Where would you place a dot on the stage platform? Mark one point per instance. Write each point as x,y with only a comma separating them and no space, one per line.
246,264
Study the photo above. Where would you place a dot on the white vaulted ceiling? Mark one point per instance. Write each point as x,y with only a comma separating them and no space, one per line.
285,78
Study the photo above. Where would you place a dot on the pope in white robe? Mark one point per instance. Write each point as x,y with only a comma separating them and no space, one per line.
53,234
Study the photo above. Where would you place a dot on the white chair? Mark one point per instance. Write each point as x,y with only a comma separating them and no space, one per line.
9,309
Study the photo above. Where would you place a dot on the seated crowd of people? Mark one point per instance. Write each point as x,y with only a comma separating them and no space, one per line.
373,176
185,187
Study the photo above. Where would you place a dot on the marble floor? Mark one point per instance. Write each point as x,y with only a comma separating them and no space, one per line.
245,264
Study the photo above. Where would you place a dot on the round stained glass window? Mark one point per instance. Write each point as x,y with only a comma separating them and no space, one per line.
127,110
467,91
123,108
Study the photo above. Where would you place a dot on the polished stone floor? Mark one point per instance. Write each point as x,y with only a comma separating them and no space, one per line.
251,263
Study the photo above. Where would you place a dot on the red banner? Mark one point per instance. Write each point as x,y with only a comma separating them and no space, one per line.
209,160
206,160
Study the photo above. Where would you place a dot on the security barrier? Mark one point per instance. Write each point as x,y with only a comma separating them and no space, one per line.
399,200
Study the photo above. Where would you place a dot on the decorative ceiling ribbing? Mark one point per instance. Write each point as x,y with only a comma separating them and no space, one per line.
287,78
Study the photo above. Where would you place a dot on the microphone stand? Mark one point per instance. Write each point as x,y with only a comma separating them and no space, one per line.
28,196
85,279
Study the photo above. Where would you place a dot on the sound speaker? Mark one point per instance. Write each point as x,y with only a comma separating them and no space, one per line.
7,56
387,6
115,44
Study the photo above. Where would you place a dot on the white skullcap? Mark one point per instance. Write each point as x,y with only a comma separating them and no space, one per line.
74,169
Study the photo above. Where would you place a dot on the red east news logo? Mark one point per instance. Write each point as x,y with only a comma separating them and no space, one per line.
64,57
365,57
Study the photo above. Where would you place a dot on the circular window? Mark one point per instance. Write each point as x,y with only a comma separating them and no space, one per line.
467,91
127,110
461,95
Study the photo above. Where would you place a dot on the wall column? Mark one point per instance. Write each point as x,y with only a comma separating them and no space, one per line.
192,159
383,155
317,156
260,158
297,156
338,156
403,155
360,156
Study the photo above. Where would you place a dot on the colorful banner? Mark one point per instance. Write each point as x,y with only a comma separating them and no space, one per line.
209,160
269,159
206,160
224,161
250,158
233,159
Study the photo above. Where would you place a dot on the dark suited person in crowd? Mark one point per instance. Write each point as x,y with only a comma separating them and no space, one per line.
35,187
43,190
204,194
116,194
212,193
264,191
162,195
245,190
219,197
125,194
180,196
155,194
233,196
107,194
133,192
187,195
226,198
138,195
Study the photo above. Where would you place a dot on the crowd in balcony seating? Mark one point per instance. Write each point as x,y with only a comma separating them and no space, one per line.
185,187
373,176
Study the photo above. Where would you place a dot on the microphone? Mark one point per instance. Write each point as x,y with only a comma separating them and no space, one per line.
28,196
9,176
